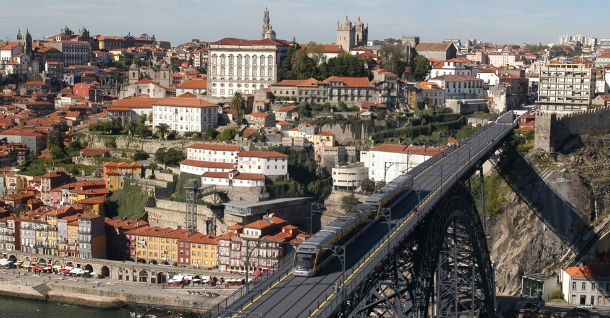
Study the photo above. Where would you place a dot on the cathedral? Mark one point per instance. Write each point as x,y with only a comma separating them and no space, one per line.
350,36
267,32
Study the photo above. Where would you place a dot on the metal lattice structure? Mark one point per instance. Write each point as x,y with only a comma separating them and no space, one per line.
190,188
441,270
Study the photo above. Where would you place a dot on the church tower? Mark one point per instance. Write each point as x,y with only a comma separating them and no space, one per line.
361,33
134,74
27,47
267,30
345,35
19,36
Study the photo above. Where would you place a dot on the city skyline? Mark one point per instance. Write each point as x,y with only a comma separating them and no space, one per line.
314,20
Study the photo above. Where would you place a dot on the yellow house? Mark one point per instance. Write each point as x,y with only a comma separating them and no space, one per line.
199,250
115,173
155,244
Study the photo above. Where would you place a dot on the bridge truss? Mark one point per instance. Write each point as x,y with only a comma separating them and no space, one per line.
442,269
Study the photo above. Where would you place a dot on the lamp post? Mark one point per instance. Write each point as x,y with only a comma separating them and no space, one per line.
315,208
339,252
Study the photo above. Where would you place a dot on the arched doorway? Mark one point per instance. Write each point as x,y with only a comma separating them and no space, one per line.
13,258
143,276
161,278
105,273
89,268
42,261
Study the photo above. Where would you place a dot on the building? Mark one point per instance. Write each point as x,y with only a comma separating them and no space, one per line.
350,36
349,90
455,66
261,119
286,113
10,235
387,161
350,177
213,152
91,236
244,66
115,173
540,286
73,52
460,86
197,87
117,242
297,91
430,92
586,284
499,59
130,109
185,113
33,139
49,181
268,163
566,86
198,250
155,245
438,51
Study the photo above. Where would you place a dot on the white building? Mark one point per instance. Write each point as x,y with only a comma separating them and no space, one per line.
74,52
233,179
184,114
130,109
567,85
269,163
387,161
455,66
587,284
489,77
197,167
194,86
213,152
245,66
498,59
433,92
460,86
349,178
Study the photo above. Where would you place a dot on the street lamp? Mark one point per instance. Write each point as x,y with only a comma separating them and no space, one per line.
339,252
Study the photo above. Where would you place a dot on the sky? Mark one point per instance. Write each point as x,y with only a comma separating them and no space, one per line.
179,21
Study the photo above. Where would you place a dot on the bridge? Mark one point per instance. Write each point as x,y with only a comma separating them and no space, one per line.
428,258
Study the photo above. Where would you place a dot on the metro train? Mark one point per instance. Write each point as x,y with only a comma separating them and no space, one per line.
314,253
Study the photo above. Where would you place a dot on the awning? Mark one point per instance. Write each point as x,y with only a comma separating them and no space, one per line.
177,278
47,268
188,277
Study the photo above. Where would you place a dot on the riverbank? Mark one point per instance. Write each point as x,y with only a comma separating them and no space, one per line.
105,294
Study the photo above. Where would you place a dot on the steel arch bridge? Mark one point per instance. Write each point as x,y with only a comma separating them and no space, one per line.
441,269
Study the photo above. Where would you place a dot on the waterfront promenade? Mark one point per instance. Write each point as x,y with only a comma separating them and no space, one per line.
106,293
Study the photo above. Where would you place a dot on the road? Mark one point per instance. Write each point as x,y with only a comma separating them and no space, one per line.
291,296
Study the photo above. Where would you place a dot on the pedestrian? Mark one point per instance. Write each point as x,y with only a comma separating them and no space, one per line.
336,288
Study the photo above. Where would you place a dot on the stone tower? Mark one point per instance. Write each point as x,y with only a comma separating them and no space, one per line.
163,76
134,74
19,36
27,47
267,30
345,35
361,33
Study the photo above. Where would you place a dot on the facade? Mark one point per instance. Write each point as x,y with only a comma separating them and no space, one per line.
130,109
10,238
198,250
432,92
198,167
566,85
244,66
268,163
586,284
456,66
115,173
185,114
154,244
91,236
460,86
298,91
34,140
349,178
213,152
74,52
350,90
197,87
387,161
438,51
504,59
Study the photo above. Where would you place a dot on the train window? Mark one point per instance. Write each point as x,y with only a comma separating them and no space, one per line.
304,261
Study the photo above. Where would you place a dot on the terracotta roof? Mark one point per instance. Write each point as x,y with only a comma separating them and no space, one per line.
92,200
262,154
350,81
208,164
331,48
259,115
242,42
594,270
216,147
200,238
248,132
417,150
266,222
457,78
433,46
287,109
194,84
125,224
93,152
249,176
184,102
133,102
427,86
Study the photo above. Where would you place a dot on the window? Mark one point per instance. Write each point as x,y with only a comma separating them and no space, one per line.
584,286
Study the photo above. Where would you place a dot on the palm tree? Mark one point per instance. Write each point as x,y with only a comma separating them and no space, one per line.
131,128
162,129
238,105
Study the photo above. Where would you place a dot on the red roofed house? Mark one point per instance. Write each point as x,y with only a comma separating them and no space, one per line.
586,284
350,90
116,172
202,157
194,86
269,163
440,51
34,139
286,113
261,119
388,161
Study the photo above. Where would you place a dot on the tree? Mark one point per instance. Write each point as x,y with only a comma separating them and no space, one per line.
140,155
421,67
211,133
393,57
171,156
131,128
110,143
349,201
162,130
238,105
75,145
228,134
150,118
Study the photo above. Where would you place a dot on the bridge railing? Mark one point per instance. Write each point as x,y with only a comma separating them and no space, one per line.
257,286
367,264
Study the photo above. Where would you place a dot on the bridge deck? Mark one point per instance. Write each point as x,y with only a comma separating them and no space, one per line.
290,296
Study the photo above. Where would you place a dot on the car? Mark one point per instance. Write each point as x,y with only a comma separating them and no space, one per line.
581,308
589,306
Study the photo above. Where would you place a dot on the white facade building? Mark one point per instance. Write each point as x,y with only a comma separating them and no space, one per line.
587,284
213,152
460,86
454,66
233,179
387,161
489,78
566,85
349,178
197,167
185,114
269,163
245,66
503,59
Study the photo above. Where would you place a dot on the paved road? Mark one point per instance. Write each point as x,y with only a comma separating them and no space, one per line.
303,297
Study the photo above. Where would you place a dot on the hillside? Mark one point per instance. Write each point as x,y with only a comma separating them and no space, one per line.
570,192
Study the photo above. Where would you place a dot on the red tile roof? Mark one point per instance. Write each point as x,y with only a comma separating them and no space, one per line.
194,84
216,147
433,46
184,102
242,42
208,164
132,102
594,270
416,150
350,81
262,154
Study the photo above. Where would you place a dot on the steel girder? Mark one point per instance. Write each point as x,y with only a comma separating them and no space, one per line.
442,269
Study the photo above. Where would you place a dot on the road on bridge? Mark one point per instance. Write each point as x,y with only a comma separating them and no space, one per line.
291,296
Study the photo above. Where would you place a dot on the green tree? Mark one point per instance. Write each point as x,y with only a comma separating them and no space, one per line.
110,143
393,57
238,105
228,134
211,133
421,67
131,128
75,145
162,130
140,155
349,201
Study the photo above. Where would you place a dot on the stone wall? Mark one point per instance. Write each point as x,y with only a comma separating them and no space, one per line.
172,214
133,144
554,130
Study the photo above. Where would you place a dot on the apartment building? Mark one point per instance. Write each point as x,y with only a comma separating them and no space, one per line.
566,85
387,161
185,113
586,284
